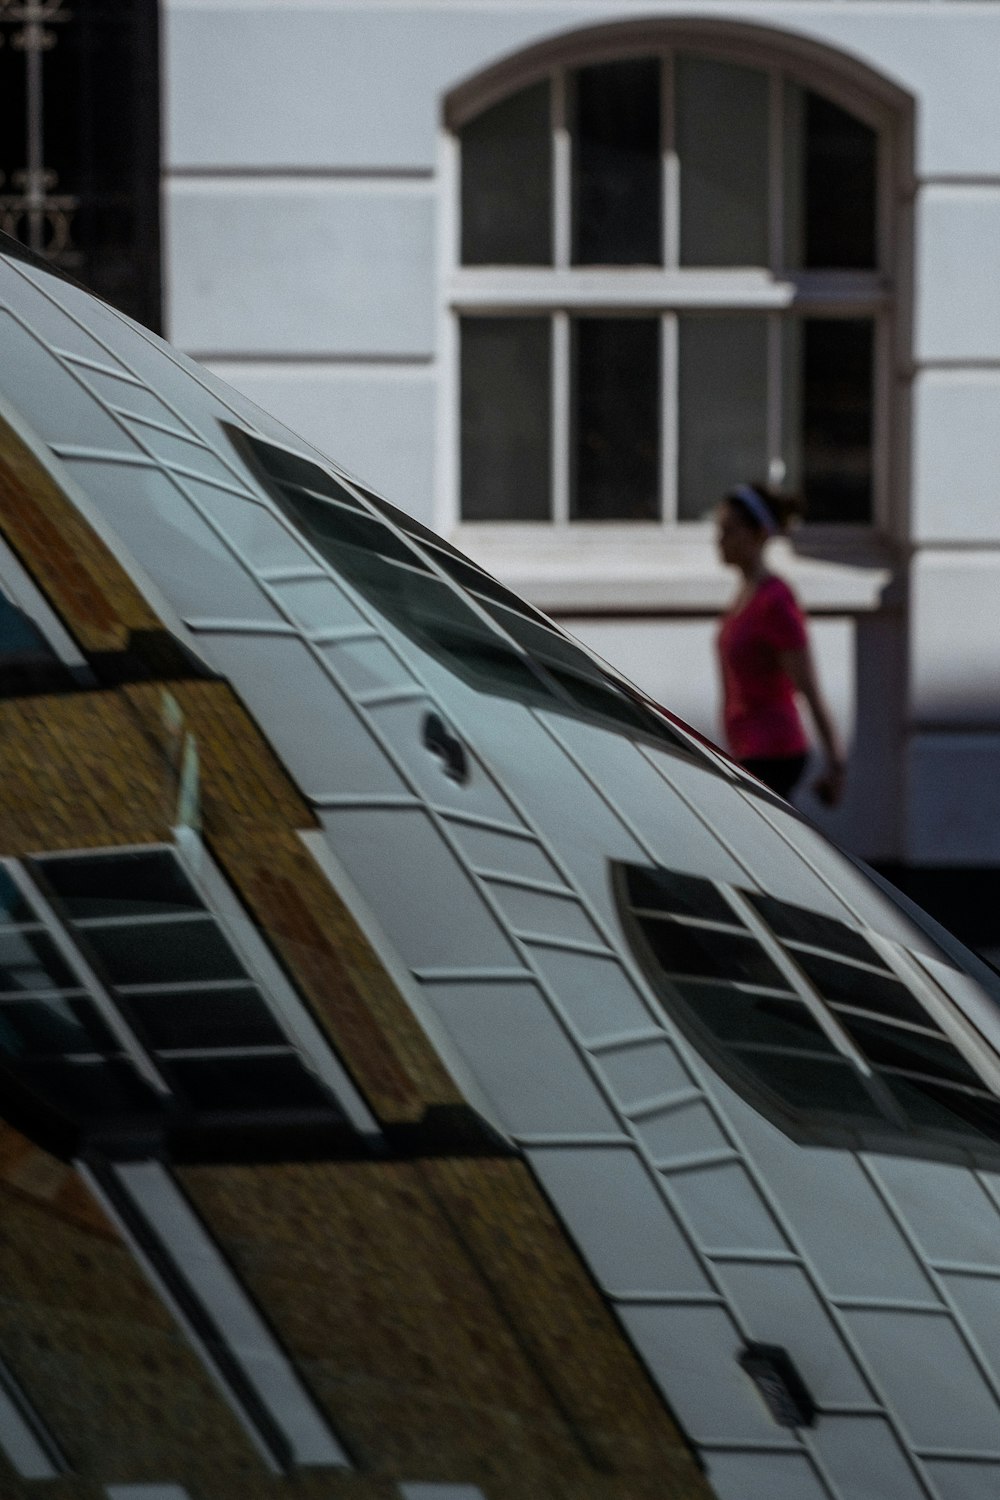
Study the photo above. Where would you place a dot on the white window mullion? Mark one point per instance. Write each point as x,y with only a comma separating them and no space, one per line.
562,170
671,170
25,1441
448,426
85,975
562,235
671,167
561,417
254,1375
448,435
224,909
668,419
776,464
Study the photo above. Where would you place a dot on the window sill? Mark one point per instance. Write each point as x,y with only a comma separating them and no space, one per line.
594,570
489,288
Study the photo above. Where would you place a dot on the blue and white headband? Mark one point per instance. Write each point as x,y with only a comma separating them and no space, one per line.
758,508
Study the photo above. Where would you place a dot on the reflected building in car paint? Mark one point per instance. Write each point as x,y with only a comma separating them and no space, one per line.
428,1069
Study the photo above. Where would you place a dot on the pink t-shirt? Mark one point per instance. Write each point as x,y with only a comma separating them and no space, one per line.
759,709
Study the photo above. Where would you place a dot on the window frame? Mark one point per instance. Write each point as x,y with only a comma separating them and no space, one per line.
26,1442
563,289
221,1321
23,593
221,909
838,1021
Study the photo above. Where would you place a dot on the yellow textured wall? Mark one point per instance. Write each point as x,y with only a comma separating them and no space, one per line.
434,1308
444,1322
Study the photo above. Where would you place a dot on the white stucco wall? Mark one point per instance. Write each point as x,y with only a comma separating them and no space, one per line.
304,220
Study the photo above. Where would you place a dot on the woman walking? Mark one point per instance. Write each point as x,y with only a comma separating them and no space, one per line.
764,653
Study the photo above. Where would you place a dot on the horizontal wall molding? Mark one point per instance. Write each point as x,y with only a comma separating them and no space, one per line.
299,173
239,180
310,359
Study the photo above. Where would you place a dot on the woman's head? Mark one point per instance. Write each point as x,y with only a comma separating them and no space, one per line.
748,517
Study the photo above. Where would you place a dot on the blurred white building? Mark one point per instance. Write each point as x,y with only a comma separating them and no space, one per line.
552,275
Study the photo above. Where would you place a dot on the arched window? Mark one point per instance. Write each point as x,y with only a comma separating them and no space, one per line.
673,271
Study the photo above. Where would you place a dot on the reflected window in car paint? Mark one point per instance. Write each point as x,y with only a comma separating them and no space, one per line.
125,1007
477,629
833,1047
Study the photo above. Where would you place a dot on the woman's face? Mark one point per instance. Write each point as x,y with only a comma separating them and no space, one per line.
739,542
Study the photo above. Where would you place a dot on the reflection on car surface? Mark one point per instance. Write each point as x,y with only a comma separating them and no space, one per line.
430,1066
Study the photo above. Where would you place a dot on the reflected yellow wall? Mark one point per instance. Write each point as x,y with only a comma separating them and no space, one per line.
434,1306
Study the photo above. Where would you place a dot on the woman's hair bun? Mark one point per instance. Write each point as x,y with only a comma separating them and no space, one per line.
786,507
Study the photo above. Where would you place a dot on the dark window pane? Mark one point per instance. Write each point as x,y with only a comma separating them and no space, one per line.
580,681
429,612
715,955
553,650
298,472
250,1083
13,907
13,121
813,1085
832,202
337,532
722,408
550,670
860,988
507,182
91,1090
415,529
799,924
939,1110
119,885
20,638
685,895
617,178
206,1018
487,590
722,146
395,579
164,953
909,1051
616,442
740,1017
31,961
59,1025
829,398
340,527
506,419
438,621
598,699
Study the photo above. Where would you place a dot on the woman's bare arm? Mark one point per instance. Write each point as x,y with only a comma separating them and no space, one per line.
800,668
